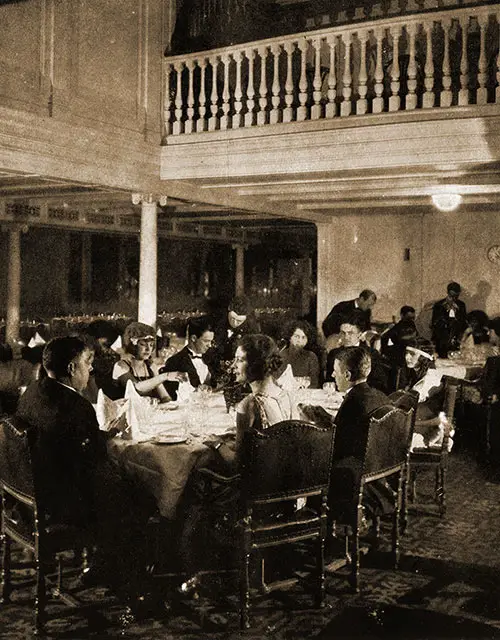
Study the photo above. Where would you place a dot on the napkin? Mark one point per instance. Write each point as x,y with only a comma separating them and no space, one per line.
138,411
36,341
117,345
286,380
109,412
184,392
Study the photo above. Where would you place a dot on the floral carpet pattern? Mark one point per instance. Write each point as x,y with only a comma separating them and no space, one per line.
447,586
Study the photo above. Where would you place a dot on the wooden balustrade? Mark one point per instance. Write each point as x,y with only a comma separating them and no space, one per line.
423,61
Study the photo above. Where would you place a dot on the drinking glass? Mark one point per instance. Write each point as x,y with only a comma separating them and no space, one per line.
303,382
330,390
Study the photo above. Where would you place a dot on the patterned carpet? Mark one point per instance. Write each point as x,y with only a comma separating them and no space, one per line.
447,587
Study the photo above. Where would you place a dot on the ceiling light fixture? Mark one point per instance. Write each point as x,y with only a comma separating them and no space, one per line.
446,201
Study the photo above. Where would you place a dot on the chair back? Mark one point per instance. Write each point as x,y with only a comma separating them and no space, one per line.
407,402
387,442
289,459
16,469
451,389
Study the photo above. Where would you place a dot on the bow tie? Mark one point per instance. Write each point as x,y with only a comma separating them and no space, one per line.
195,355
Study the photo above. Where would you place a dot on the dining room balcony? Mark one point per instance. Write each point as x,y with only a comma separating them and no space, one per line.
419,62
375,115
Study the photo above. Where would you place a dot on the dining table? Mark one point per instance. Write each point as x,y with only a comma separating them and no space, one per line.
163,454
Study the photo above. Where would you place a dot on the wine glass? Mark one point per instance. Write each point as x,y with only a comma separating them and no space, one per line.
303,382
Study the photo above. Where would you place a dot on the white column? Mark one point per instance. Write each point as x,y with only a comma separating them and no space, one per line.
14,287
147,310
324,283
239,284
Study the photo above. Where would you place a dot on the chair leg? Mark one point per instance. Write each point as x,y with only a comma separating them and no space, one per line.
40,597
6,577
396,525
437,486
320,597
442,492
413,486
245,591
355,564
404,506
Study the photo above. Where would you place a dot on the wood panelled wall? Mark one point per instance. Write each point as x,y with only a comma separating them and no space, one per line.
97,62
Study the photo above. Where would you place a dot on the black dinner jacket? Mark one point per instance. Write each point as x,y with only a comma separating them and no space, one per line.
341,312
182,361
352,420
381,375
68,448
441,318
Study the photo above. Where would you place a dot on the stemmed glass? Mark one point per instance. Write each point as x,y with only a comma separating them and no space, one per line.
303,383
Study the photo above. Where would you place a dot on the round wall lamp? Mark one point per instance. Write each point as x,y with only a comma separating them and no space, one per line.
446,201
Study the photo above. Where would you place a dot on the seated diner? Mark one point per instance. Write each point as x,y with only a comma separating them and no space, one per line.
136,364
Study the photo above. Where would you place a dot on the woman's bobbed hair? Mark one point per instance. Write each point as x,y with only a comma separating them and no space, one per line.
292,325
263,358
136,331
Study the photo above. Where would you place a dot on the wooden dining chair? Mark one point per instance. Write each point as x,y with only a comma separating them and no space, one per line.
384,461
407,402
24,520
435,458
285,463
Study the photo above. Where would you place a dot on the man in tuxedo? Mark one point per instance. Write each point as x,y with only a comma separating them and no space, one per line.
362,305
449,321
351,370
81,486
192,359
237,322
350,335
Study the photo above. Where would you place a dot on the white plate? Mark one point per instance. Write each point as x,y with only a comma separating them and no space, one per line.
169,439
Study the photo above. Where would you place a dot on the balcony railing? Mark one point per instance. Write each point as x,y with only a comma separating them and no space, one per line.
423,61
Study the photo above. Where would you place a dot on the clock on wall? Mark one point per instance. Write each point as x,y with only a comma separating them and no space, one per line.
493,254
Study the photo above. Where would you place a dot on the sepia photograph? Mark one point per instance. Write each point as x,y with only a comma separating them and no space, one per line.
249,319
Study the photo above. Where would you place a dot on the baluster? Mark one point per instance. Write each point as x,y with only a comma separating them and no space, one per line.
214,97
394,99
250,89
463,94
262,114
302,109
378,101
411,98
189,125
482,92
330,110
275,99
497,92
167,102
446,94
288,111
225,93
238,93
202,100
362,104
177,126
346,107
316,107
428,95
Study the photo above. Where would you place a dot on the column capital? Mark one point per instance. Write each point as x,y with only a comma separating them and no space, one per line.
15,226
238,245
149,198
